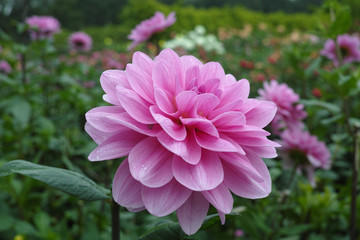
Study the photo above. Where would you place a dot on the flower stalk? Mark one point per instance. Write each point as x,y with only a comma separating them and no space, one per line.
115,221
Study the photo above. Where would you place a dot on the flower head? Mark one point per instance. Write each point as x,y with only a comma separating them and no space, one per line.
42,27
147,28
80,41
290,113
304,151
349,49
191,134
5,67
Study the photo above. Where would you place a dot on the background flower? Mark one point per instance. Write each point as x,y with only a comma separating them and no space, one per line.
305,152
147,28
80,41
5,67
42,27
349,48
191,135
290,112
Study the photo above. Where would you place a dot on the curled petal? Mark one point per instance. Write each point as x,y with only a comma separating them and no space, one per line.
109,80
213,143
166,199
140,82
220,197
261,115
150,163
192,214
125,189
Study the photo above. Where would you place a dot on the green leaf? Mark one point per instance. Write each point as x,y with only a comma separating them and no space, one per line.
164,232
295,230
67,181
328,106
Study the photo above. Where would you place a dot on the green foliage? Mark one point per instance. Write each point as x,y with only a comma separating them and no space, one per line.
58,178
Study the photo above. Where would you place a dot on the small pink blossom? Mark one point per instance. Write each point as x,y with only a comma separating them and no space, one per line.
147,28
290,112
42,27
80,41
191,134
239,233
304,151
5,67
349,49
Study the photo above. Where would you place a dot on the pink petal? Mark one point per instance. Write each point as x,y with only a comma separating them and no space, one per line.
150,163
188,62
205,175
206,104
261,115
118,145
97,135
220,197
191,77
166,199
229,121
144,62
98,118
229,107
186,103
175,130
109,80
124,119
265,152
188,149
201,124
136,106
222,217
126,190
192,214
212,70
140,82
164,101
243,184
237,91
213,143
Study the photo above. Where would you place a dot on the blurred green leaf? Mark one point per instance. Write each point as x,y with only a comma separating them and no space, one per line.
328,106
67,181
164,232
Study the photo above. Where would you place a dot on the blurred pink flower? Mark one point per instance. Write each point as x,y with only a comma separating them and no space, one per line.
191,135
80,41
42,27
290,113
349,48
304,151
147,28
5,67
239,233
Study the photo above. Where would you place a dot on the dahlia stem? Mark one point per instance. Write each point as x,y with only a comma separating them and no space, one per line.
115,220
355,173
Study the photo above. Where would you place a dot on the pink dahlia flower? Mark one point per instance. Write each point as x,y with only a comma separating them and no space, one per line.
191,134
304,151
147,28
42,27
5,67
289,113
349,48
80,41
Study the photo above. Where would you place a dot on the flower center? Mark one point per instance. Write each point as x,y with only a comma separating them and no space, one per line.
344,51
298,156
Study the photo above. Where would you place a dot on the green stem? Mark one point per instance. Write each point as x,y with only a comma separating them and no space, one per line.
115,220
355,173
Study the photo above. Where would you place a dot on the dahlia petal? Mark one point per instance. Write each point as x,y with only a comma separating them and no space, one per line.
126,190
98,118
257,141
118,145
214,143
140,82
220,197
136,106
210,85
109,80
192,213
211,70
233,106
243,184
261,115
163,101
176,131
150,163
166,199
205,175
191,77
124,119
189,62
229,121
97,135
206,104
188,149
263,151
237,91
143,62
186,103
239,148
222,217
201,124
